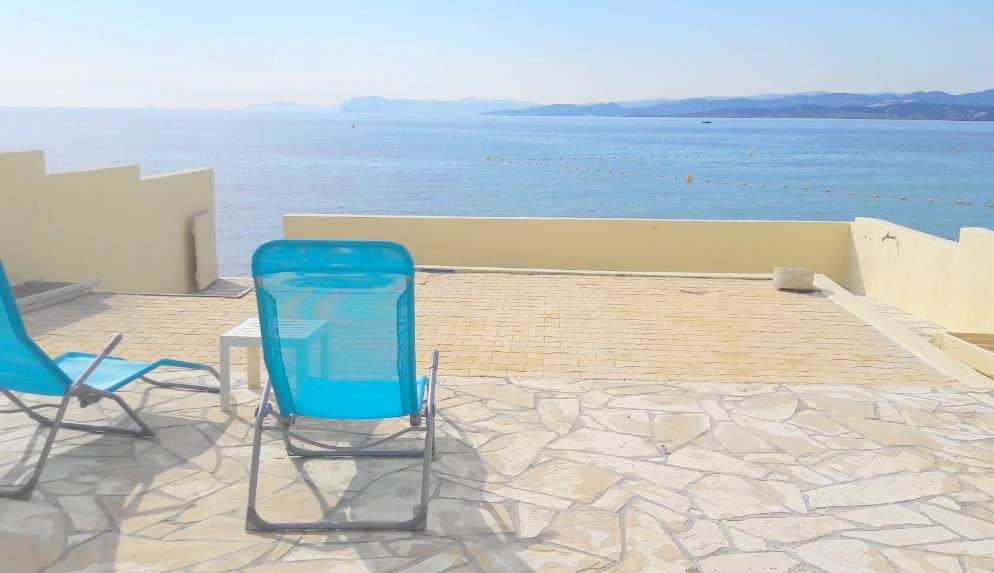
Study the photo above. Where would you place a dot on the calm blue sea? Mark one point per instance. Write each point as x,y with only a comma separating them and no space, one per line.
268,164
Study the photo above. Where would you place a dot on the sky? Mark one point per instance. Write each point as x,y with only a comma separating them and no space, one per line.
230,54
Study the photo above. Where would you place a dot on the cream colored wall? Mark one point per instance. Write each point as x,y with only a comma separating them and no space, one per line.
946,282
131,233
647,245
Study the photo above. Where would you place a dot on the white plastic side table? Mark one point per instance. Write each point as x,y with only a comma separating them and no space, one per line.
294,333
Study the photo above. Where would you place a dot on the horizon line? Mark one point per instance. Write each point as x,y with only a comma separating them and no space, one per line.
331,107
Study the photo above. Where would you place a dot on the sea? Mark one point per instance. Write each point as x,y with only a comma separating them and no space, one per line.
934,176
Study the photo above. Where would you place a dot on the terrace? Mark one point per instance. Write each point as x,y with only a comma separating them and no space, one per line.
624,395
589,421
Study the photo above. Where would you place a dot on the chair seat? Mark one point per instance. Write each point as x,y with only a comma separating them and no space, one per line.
110,375
353,399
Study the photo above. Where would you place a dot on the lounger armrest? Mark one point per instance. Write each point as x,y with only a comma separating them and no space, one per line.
108,348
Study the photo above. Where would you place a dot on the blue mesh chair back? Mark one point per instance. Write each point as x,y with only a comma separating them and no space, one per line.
24,367
337,325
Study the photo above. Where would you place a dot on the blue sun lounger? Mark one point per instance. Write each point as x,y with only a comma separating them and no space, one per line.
360,296
25,368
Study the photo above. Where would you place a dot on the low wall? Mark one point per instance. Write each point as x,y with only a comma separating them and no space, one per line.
643,245
133,234
946,282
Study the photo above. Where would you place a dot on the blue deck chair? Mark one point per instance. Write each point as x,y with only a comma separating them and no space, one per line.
25,368
355,301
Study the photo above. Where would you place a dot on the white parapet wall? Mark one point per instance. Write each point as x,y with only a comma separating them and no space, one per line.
947,282
943,281
636,245
131,233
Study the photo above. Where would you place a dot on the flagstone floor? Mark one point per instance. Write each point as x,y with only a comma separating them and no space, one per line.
538,474
874,463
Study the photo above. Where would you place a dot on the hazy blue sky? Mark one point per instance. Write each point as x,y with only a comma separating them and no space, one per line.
208,53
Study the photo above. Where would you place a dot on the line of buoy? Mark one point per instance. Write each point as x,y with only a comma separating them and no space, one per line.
749,153
690,179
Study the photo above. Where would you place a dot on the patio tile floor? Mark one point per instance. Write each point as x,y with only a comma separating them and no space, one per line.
782,434
554,326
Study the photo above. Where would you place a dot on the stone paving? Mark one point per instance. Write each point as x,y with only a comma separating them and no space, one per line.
735,461
538,474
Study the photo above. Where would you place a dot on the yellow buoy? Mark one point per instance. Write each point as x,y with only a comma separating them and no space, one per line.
690,179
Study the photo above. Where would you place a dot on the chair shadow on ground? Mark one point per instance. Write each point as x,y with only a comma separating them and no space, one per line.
460,513
120,495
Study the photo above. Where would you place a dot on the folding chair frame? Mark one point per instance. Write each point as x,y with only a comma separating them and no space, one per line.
88,395
253,521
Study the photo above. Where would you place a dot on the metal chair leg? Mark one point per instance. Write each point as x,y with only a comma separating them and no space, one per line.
421,512
24,491
143,432
252,519
191,387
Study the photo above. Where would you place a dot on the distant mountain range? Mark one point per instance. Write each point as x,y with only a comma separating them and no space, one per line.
376,104
468,106
976,106
292,106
